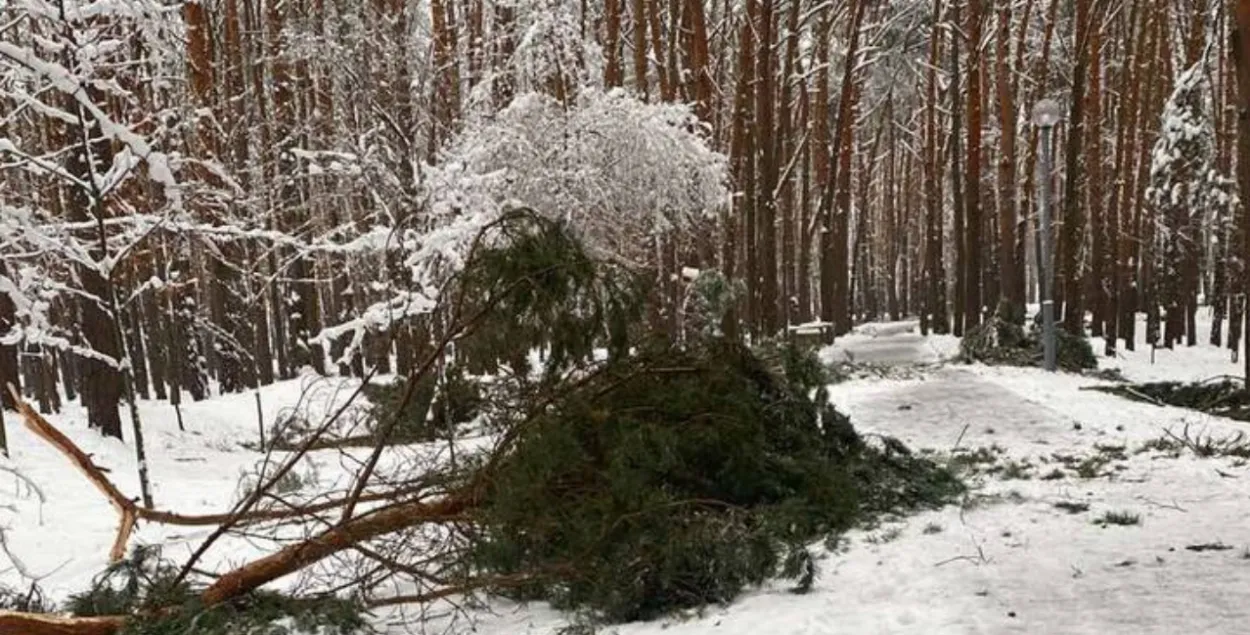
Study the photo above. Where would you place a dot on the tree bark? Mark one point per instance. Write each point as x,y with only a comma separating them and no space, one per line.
1011,282
959,212
836,297
938,317
1073,225
8,353
1240,47
768,171
612,74
973,291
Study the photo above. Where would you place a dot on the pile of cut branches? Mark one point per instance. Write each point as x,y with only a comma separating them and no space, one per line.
1003,342
1224,396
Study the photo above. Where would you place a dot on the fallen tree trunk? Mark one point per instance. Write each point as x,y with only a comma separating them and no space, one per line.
249,577
253,575
12,623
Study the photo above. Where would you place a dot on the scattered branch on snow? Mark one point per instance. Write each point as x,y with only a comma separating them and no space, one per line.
125,507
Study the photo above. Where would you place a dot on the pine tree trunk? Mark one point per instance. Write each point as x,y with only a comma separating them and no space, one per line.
101,381
740,151
1120,311
1072,230
8,352
612,74
1241,56
769,171
787,153
822,220
974,223
639,14
805,226
1094,203
959,231
838,303
1012,282
936,315
699,62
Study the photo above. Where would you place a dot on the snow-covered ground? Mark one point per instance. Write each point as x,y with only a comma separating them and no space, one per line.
1180,364
1006,561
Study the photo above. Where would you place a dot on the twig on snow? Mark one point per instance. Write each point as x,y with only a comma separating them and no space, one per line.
979,559
30,486
961,437
17,562
20,566
1174,504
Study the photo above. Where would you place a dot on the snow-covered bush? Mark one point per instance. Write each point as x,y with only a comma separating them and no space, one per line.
617,170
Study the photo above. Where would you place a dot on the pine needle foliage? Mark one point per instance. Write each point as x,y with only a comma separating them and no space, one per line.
529,285
1003,342
258,613
678,477
435,409
535,286
142,581
667,475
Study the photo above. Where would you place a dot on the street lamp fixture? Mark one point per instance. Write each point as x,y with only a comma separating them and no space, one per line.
1046,114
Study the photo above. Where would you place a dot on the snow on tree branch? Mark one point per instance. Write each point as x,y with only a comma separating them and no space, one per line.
617,169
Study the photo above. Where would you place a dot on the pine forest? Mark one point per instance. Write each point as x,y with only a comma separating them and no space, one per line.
569,262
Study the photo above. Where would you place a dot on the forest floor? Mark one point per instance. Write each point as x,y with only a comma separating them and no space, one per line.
1071,526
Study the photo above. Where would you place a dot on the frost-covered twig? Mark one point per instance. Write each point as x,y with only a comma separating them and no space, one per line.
17,562
30,486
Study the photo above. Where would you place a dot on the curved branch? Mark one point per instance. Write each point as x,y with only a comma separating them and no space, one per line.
125,507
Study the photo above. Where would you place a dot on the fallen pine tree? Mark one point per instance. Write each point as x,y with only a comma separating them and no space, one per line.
663,477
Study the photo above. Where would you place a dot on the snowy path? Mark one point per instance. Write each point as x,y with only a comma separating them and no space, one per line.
887,344
1025,566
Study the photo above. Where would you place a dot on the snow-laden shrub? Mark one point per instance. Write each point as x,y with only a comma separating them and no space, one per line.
616,168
